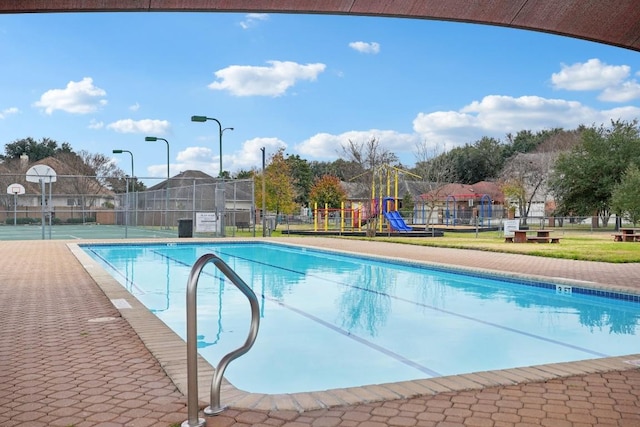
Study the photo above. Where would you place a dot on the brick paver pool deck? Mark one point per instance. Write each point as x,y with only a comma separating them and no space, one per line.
69,357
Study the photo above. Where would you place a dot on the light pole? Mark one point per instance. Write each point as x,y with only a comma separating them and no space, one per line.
127,151
166,198
126,220
220,132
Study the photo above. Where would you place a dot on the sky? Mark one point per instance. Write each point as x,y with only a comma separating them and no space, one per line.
308,83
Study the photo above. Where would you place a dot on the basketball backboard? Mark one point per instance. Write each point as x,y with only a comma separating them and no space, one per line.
37,173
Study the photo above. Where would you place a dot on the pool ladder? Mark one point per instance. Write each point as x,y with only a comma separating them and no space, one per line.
214,407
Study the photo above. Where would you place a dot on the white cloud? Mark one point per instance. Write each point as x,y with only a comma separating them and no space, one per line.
274,80
591,75
365,47
94,124
249,156
327,146
495,116
134,107
78,97
160,171
195,154
251,20
624,92
8,111
191,158
612,80
159,127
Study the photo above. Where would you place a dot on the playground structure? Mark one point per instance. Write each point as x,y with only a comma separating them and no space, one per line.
481,215
381,210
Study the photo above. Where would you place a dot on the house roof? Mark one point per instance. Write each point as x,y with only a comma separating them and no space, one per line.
431,190
185,178
360,191
66,180
466,192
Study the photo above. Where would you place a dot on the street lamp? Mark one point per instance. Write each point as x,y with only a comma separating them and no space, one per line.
220,132
127,151
166,198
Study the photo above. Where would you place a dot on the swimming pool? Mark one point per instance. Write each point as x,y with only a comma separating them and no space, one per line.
335,321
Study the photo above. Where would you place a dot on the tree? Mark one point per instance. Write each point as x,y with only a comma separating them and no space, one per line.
436,170
280,193
524,177
91,173
301,178
328,191
117,181
346,170
584,178
368,157
480,161
34,149
625,199
484,162
561,141
526,141
407,203
11,172
244,174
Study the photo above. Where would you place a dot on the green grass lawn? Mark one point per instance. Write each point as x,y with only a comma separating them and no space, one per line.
574,244
587,246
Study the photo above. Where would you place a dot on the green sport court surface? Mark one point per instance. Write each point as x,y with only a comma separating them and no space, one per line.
87,231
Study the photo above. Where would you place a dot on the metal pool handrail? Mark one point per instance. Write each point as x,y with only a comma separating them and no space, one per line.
192,340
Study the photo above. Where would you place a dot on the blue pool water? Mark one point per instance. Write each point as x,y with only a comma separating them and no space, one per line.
335,321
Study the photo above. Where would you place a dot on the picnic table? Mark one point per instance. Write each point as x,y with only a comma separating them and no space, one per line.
520,236
627,235
542,236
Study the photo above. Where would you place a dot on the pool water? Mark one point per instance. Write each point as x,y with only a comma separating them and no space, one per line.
330,320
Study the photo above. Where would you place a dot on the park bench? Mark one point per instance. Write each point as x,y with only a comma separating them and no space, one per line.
538,239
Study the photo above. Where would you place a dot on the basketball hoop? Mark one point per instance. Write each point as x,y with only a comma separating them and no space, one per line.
15,189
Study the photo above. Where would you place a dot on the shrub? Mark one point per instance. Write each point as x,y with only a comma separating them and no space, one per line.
81,220
23,221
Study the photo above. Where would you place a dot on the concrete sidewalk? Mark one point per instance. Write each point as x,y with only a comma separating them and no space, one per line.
68,357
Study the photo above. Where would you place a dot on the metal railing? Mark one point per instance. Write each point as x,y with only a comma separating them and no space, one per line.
214,407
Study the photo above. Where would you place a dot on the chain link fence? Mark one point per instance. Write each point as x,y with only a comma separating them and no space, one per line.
207,206
186,206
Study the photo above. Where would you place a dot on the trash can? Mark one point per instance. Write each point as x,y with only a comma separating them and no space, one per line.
185,227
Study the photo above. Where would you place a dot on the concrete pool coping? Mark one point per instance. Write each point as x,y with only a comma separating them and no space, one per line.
169,349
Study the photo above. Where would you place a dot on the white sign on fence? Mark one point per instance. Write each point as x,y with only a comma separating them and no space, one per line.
510,225
206,222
